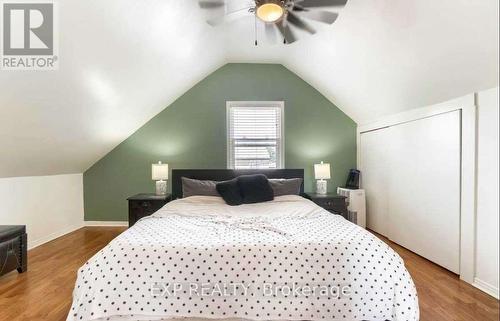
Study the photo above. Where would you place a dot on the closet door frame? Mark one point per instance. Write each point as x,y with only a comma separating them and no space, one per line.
467,106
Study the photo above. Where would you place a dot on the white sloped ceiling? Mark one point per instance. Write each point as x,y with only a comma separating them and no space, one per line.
123,61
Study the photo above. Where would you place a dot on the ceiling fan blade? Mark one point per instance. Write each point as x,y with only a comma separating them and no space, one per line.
230,16
298,8
299,23
286,32
206,4
321,3
321,16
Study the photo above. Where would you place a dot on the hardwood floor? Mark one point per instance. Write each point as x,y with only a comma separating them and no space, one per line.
442,295
44,292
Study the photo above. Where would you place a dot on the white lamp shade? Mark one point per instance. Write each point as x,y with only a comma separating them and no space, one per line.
322,171
159,171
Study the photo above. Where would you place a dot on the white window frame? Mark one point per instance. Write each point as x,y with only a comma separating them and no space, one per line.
274,104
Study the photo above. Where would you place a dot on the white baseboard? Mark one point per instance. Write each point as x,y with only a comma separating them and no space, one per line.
52,236
486,287
34,243
106,223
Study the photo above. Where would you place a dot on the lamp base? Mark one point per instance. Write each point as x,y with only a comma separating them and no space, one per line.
321,186
161,188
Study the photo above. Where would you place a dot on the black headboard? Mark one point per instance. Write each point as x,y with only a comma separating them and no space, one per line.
226,174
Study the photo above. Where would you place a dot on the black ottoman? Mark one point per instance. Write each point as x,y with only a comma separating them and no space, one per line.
13,248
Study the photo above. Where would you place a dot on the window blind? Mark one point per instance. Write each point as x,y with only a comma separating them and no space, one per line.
255,136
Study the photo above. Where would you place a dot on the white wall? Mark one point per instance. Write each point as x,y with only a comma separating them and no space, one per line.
49,206
486,274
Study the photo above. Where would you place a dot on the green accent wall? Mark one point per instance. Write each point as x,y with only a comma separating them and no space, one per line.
191,133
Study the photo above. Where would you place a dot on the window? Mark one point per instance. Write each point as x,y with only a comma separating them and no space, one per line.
255,134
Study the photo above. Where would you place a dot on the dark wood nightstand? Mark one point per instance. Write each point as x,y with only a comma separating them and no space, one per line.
142,205
331,202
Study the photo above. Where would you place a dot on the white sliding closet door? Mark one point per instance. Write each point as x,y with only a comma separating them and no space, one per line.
424,188
375,159
411,174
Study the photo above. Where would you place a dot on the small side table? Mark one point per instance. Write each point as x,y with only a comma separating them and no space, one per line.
331,202
142,205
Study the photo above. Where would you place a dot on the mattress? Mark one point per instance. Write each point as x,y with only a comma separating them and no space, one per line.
287,259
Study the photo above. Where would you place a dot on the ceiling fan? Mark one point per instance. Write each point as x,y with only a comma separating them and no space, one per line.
286,16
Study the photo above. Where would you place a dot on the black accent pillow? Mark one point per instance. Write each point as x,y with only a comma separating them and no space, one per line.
230,192
255,188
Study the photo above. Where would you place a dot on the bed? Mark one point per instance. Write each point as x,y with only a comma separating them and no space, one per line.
287,259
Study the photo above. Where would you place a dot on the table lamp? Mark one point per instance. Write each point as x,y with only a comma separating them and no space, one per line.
159,173
321,172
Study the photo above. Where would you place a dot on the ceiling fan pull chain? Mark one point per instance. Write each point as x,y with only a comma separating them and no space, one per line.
255,29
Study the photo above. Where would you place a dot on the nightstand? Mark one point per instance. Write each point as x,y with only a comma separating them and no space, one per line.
331,202
142,205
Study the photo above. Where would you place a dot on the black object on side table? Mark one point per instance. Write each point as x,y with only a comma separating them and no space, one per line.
142,205
331,202
13,248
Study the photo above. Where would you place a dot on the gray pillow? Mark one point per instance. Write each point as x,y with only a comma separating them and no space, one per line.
192,187
282,186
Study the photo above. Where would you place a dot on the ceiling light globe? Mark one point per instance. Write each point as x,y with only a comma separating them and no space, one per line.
270,12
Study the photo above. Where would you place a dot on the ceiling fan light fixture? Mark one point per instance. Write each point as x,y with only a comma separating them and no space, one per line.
270,11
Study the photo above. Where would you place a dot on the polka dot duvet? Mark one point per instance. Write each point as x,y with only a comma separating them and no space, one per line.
287,259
